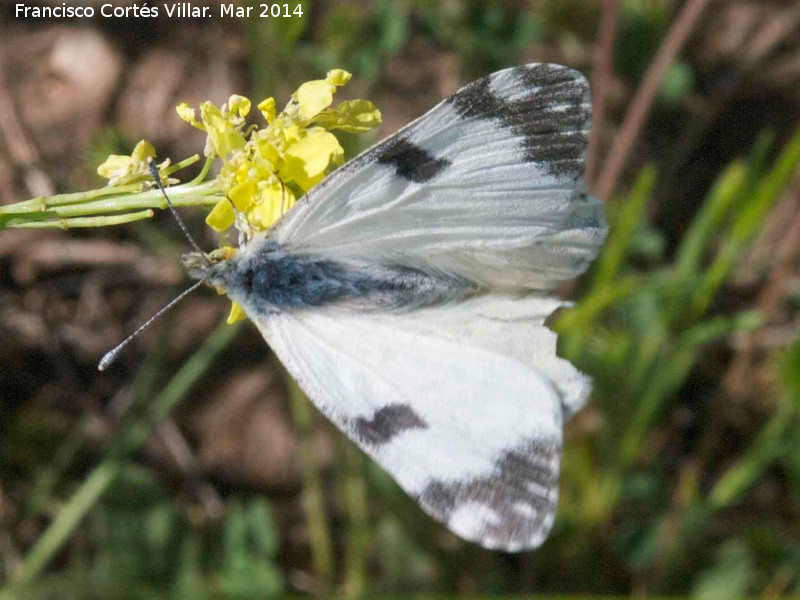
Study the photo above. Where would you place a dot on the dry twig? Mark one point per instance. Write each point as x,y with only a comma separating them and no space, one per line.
646,95
601,79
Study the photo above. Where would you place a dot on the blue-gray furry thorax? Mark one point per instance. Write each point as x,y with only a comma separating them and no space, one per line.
272,278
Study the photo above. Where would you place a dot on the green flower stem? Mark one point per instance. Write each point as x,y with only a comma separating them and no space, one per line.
42,203
44,486
129,440
45,483
748,222
206,194
771,444
52,211
204,172
665,382
85,221
181,195
182,164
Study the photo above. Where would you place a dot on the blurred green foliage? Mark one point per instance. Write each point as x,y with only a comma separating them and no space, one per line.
486,35
640,330
642,26
646,505
361,38
146,546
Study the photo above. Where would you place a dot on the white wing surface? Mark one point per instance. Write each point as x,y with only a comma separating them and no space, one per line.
488,185
461,403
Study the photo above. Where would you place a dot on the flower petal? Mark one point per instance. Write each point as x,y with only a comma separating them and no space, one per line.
307,159
115,166
223,136
221,216
143,151
267,108
274,200
350,115
187,113
338,77
239,105
243,194
237,313
314,96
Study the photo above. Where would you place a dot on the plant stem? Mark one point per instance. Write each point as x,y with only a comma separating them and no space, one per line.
42,203
182,195
204,172
601,81
182,165
84,221
646,95
205,194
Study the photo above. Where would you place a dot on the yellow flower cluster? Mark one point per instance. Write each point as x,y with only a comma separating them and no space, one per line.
265,169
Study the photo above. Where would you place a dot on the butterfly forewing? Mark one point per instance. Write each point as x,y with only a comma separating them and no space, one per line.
487,185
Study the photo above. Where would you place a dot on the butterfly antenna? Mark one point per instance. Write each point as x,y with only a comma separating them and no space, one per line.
111,355
151,164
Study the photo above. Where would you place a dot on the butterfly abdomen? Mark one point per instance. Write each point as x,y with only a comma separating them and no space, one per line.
272,278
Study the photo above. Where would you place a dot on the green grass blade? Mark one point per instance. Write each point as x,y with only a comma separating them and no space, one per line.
624,223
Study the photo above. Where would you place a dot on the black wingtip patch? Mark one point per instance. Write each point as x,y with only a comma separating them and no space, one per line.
520,492
412,162
387,423
551,118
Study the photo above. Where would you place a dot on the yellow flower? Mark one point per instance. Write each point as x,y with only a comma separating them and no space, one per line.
314,96
116,168
222,124
122,170
239,106
222,216
338,77
187,113
307,159
223,135
272,201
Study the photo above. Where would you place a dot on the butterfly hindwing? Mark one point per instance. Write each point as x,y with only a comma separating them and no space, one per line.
463,423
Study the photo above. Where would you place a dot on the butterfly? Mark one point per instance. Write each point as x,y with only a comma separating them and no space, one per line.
407,294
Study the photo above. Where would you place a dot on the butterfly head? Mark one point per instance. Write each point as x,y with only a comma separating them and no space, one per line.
215,268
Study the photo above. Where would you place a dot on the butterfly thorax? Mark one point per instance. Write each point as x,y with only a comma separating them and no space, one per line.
272,278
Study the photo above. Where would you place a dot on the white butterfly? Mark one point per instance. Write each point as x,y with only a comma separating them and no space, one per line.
407,295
